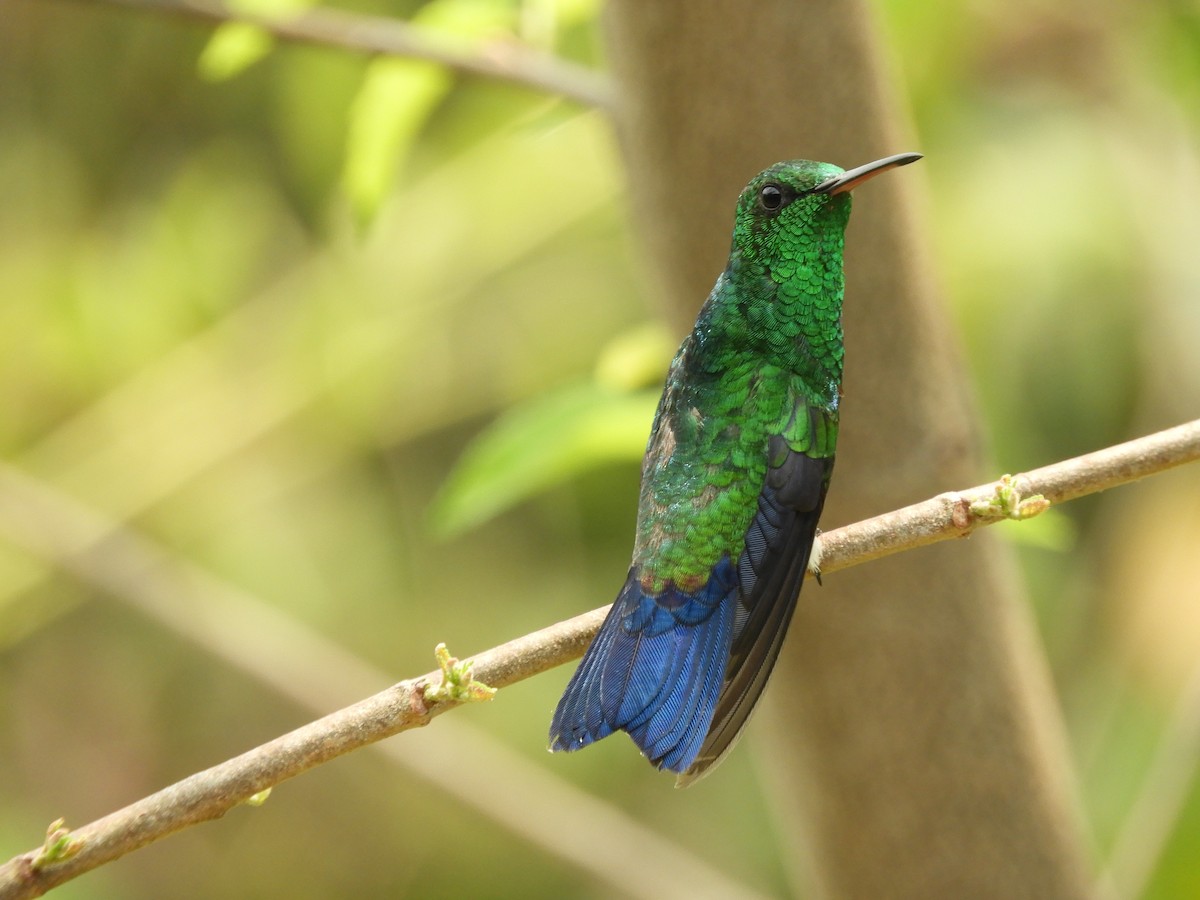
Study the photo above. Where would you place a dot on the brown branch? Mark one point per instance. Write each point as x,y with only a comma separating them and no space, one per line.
303,665
209,794
501,60
213,792
948,515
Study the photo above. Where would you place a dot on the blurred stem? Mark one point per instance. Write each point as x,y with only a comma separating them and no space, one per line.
55,528
506,61
1163,796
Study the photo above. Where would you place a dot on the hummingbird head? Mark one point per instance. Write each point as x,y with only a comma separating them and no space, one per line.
800,201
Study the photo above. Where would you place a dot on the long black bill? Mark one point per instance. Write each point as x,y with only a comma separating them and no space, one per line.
852,179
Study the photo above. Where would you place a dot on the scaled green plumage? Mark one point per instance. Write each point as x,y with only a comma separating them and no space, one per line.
765,357
733,482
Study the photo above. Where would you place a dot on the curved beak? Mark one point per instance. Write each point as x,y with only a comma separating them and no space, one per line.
849,180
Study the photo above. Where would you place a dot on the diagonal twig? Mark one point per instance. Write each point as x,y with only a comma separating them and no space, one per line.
213,792
317,674
949,515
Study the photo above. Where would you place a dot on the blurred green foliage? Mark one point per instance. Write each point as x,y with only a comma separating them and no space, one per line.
257,300
543,443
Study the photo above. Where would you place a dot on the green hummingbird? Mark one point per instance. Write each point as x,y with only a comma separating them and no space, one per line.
733,482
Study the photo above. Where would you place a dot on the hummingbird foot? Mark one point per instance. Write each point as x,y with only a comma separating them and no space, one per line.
814,557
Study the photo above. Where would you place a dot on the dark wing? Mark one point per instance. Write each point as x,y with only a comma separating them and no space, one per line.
771,570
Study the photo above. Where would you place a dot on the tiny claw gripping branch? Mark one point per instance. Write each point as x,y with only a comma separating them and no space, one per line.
458,684
814,558
1007,502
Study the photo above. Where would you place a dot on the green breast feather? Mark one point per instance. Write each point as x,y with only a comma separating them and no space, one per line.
707,461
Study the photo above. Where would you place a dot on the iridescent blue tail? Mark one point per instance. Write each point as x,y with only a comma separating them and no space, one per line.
654,670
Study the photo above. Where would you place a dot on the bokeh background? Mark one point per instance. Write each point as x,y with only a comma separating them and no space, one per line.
373,345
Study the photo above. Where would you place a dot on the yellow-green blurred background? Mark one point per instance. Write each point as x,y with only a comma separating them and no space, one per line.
258,309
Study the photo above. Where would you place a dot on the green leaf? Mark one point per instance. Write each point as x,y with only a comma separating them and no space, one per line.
396,99
637,358
539,444
399,95
233,48
236,46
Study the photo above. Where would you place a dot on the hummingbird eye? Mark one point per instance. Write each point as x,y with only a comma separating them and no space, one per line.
771,197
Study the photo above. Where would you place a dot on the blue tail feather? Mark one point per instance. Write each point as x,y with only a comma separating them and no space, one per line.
673,735
654,670
588,703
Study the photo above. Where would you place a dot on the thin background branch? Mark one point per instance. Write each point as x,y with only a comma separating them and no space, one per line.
317,674
124,563
1160,801
505,61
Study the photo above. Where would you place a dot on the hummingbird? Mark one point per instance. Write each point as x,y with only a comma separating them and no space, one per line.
733,481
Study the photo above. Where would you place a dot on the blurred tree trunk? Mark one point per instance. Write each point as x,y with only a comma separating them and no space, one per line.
923,753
